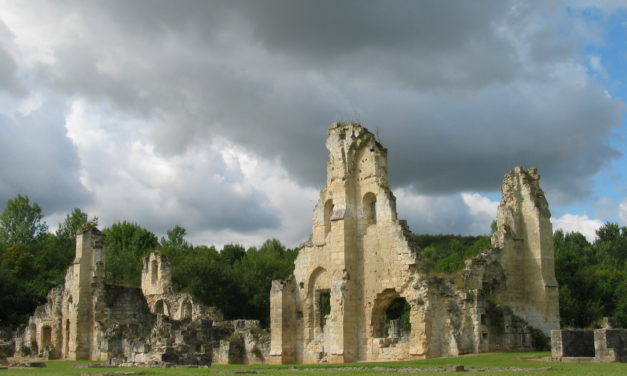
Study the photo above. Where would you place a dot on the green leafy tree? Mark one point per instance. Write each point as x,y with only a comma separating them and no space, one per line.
446,253
611,245
255,273
126,243
176,238
21,221
231,253
73,221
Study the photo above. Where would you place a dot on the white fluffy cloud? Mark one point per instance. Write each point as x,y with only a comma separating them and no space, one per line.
578,223
622,211
198,189
465,214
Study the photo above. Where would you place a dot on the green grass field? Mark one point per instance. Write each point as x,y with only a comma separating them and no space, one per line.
522,360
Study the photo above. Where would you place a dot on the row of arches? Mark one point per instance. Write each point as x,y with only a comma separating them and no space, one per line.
368,205
161,307
390,315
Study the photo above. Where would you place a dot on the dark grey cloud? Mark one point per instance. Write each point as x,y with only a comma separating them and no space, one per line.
460,91
9,82
40,161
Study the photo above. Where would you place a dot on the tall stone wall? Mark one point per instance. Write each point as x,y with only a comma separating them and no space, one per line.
525,235
361,258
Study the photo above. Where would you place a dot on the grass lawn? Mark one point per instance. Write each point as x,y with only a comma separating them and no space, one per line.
58,368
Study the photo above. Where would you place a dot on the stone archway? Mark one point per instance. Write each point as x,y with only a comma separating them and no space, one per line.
319,301
161,308
390,311
46,336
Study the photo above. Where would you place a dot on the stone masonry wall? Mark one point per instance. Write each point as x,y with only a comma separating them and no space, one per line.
361,257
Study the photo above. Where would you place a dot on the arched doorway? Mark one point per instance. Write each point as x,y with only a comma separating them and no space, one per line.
46,336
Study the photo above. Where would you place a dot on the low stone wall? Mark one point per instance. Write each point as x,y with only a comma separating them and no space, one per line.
610,345
572,343
601,345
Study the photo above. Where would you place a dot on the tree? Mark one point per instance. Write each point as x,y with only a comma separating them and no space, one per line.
21,221
231,253
611,245
73,221
176,238
255,273
126,244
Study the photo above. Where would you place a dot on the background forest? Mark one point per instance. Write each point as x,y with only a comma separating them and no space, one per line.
592,276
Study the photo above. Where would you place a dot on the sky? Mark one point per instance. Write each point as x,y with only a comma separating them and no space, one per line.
212,115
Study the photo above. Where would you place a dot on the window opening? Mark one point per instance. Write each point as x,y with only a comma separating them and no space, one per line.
328,213
324,306
369,204
154,270
397,322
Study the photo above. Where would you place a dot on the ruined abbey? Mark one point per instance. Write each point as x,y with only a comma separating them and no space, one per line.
89,319
359,260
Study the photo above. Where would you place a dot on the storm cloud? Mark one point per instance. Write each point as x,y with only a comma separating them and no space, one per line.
460,92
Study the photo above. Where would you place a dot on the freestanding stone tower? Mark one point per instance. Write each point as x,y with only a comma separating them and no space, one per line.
87,275
361,259
525,233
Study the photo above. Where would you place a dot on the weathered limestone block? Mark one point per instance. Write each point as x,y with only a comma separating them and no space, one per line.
246,343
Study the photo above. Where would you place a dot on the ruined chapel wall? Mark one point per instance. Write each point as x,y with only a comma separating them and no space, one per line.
358,248
156,286
156,276
524,235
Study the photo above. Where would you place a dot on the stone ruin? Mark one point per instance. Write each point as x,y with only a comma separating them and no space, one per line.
606,345
88,319
361,258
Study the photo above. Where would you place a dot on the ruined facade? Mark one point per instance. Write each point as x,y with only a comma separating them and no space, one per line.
360,259
156,283
89,319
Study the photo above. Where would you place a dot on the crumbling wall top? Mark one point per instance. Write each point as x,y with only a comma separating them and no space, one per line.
346,143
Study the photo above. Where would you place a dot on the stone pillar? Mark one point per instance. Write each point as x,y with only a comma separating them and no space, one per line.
283,317
88,270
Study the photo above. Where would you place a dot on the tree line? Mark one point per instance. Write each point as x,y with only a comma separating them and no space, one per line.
33,260
592,276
